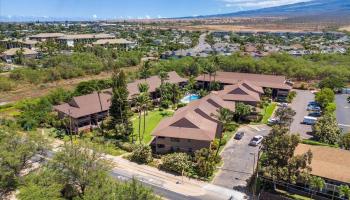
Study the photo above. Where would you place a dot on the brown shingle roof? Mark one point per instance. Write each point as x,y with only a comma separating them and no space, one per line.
195,121
47,35
85,105
86,36
240,92
112,41
328,162
89,104
267,81
153,82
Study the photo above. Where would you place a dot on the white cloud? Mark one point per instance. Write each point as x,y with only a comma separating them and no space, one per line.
148,17
251,4
94,16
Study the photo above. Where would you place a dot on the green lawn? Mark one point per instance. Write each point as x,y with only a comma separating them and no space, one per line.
152,120
267,112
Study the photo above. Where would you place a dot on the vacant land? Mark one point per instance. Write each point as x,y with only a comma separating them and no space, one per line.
237,28
26,90
345,28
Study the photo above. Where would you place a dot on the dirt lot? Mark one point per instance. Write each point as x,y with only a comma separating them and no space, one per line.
31,91
345,28
271,28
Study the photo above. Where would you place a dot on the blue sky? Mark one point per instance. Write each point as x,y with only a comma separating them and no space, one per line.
116,9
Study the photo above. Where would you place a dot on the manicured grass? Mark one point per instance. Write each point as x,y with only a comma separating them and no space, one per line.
152,120
267,112
292,196
316,143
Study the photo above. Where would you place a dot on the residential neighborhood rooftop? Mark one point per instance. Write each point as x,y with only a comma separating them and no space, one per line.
195,121
328,162
265,81
12,52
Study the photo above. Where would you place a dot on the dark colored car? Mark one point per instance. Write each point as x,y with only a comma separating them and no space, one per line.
239,135
315,114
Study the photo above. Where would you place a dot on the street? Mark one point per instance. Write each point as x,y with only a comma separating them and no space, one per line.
168,185
343,112
299,104
238,159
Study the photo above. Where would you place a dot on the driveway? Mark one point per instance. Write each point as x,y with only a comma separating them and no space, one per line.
238,159
343,112
299,104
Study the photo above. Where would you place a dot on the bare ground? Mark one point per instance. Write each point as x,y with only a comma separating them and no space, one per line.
26,90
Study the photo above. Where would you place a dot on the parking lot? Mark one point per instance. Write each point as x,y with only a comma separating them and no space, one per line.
299,104
238,159
343,112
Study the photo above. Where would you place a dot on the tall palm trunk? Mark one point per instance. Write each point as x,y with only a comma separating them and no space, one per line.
140,112
144,122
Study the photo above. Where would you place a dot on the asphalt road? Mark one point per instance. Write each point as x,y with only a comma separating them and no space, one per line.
343,112
238,159
299,104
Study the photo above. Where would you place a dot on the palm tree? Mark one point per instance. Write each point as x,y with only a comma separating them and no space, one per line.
144,102
211,69
344,191
224,116
317,184
163,77
139,102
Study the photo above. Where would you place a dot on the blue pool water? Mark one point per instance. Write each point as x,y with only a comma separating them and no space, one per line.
189,98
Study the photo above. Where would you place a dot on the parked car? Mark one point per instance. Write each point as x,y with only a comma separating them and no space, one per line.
313,103
256,140
314,108
272,121
309,120
239,135
315,114
283,105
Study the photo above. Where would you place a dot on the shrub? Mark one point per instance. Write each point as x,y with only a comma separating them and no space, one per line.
141,154
291,96
176,162
6,84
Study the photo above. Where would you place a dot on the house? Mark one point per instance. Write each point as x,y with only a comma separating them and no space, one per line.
331,164
243,91
46,36
10,54
16,43
192,127
119,43
277,84
85,111
70,40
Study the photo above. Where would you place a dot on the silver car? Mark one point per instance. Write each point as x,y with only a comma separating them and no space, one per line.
256,140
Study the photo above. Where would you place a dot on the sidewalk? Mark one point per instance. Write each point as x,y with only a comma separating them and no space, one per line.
178,184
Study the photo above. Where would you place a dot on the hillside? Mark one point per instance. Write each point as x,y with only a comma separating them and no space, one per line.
313,10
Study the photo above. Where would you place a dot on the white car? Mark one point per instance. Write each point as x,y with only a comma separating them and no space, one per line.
256,140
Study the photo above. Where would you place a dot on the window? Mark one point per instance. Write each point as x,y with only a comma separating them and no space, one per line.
190,150
175,139
161,137
160,146
189,140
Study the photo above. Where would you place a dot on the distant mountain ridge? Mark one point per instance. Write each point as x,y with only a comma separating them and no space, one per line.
331,8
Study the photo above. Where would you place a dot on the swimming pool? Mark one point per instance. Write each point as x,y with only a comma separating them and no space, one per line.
189,98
